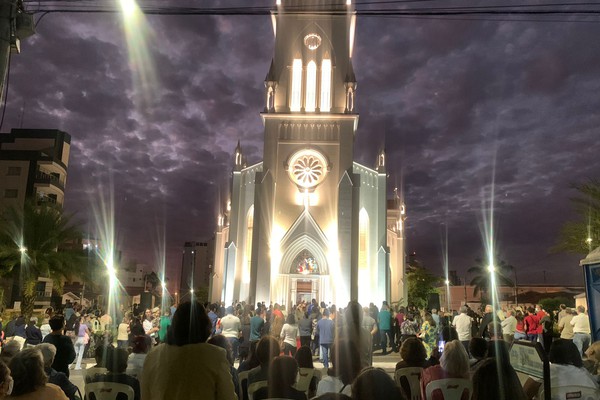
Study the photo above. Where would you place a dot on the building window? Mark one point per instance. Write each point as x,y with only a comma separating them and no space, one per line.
364,275
296,98
11,193
249,227
311,87
325,105
13,171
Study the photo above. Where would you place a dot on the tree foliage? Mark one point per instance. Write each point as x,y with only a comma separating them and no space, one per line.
421,283
574,235
37,241
482,276
553,303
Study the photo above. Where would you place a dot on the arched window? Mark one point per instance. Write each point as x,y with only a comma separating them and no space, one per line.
363,240
296,98
305,264
325,105
248,252
311,87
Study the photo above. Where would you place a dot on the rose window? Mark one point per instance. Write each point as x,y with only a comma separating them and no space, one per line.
307,168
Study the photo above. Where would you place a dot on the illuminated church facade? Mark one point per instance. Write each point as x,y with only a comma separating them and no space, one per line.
308,221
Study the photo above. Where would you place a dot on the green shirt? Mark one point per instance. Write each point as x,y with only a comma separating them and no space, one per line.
164,324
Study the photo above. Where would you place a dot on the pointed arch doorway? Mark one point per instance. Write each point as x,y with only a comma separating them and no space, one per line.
304,275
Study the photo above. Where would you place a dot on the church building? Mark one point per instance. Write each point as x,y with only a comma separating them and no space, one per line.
308,221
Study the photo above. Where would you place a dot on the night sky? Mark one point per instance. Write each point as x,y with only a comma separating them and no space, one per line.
445,97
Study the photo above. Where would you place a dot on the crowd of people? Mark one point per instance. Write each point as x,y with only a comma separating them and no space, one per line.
192,350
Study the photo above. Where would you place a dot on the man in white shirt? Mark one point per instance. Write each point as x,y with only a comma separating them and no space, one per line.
462,323
509,326
231,327
581,330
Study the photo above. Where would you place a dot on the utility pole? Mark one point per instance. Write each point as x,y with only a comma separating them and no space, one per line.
15,25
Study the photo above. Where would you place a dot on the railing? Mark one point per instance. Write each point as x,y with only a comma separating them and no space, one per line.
45,199
42,177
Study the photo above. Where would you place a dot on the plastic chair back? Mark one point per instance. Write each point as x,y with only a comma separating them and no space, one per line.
253,387
91,372
108,390
573,392
243,384
413,377
452,389
305,376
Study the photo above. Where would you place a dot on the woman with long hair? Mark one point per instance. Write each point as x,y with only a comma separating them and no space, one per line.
429,333
83,336
454,363
282,377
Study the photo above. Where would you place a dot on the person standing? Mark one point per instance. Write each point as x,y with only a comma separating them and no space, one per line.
65,352
83,335
532,322
231,327
488,317
564,324
163,326
385,326
289,334
304,330
326,332
509,327
462,322
123,333
581,330
149,328
257,323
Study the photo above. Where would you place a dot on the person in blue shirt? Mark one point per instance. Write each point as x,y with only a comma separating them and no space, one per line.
212,315
326,332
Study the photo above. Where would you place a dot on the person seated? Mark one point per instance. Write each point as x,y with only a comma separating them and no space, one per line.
222,342
266,350
305,365
99,368
6,381
140,347
478,351
413,356
488,386
345,359
252,360
566,366
116,363
282,376
30,380
375,384
186,367
454,363
58,378
9,350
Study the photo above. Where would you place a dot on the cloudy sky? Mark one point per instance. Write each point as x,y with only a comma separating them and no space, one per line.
446,97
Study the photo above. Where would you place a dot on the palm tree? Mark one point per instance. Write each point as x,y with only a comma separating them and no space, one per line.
481,276
34,242
583,234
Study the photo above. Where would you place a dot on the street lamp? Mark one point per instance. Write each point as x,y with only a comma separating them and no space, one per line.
23,250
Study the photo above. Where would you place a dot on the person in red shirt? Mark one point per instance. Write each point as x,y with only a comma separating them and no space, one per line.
532,323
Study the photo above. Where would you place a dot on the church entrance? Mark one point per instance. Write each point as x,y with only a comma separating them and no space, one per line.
303,291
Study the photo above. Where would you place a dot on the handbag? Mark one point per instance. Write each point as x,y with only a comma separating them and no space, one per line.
86,338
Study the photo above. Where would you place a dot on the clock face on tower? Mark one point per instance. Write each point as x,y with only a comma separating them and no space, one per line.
307,168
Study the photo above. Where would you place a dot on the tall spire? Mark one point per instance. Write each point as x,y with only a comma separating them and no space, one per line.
239,158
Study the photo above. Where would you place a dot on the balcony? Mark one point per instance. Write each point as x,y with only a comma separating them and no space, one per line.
41,200
44,178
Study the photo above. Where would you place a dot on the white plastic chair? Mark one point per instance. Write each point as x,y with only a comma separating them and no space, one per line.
253,387
90,373
452,389
413,377
572,392
305,376
108,390
242,377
